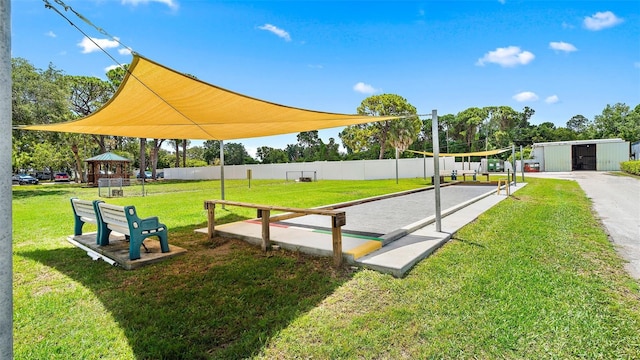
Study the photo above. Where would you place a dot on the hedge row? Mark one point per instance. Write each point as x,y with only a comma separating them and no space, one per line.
632,167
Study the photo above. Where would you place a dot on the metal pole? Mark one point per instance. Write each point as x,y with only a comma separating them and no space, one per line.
522,163
396,165
436,167
513,155
6,268
424,165
222,171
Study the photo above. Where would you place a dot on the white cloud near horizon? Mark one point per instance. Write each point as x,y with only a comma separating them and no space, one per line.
562,46
277,31
525,96
601,20
507,57
552,99
364,88
88,46
172,4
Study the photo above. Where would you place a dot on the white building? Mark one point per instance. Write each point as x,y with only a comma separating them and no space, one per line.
598,155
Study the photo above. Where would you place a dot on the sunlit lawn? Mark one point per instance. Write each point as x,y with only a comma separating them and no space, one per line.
534,277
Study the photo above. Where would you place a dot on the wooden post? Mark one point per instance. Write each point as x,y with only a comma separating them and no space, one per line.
336,234
211,208
266,242
337,221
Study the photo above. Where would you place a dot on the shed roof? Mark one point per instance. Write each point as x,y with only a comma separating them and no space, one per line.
579,142
108,156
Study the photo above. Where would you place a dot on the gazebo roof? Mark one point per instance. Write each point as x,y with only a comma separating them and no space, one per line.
108,156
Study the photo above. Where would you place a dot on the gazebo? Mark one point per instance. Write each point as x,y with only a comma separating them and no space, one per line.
108,166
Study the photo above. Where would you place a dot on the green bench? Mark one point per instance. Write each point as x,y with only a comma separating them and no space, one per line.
84,211
121,219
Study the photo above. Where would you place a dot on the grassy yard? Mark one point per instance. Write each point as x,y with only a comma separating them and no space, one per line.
534,277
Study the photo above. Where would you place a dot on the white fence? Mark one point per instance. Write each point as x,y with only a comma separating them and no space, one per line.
324,170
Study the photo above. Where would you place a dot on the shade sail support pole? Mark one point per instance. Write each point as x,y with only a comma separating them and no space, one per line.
513,162
6,266
222,171
436,167
521,163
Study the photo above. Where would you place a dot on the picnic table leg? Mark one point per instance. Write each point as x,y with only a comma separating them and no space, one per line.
211,223
266,242
336,234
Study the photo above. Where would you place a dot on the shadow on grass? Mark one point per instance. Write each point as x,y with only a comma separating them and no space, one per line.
222,299
40,191
468,242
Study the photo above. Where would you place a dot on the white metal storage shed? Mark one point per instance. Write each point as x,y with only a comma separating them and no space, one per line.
599,155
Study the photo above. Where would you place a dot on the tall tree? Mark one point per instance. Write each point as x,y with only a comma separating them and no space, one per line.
381,133
467,124
211,151
88,94
269,155
155,148
578,123
37,97
618,121
143,158
236,154
184,142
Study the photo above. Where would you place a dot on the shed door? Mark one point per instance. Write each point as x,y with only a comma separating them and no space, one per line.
583,157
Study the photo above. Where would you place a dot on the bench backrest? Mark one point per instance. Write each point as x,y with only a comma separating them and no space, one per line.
83,208
113,214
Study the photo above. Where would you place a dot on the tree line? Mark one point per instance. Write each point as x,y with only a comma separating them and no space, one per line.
47,96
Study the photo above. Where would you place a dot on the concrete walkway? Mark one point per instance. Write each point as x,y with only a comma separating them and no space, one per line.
616,200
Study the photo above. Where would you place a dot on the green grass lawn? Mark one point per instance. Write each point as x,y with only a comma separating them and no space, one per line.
534,277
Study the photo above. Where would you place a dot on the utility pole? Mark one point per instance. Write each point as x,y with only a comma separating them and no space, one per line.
6,267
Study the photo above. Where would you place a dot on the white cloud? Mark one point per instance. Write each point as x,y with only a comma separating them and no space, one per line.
364,88
601,20
562,46
109,68
277,31
88,46
50,34
552,99
567,26
173,4
124,51
507,57
525,96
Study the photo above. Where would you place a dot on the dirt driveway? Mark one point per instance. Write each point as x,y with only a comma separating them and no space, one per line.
616,199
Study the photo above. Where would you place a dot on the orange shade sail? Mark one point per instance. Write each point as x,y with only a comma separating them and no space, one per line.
154,101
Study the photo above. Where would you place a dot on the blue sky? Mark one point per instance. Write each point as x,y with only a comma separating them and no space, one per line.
561,58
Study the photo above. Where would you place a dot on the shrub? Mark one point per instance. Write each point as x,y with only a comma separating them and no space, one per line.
632,167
